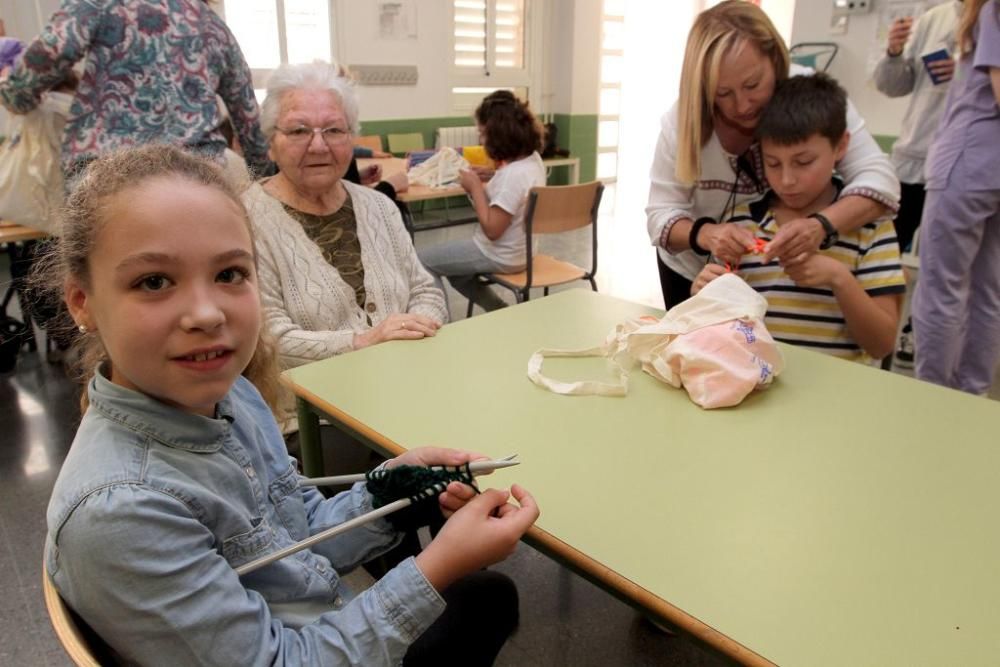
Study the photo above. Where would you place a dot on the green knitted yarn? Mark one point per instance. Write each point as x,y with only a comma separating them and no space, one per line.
421,485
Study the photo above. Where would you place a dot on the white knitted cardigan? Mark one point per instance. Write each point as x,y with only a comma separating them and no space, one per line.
308,308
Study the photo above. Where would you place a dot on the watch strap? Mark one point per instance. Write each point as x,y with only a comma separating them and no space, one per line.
829,230
693,235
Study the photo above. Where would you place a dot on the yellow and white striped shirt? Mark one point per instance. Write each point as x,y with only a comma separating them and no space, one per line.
811,316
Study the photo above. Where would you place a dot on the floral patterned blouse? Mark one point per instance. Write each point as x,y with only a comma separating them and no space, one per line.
151,75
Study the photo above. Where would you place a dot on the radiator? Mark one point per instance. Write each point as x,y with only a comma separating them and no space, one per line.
456,137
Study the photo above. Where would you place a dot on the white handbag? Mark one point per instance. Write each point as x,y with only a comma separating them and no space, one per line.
714,344
31,182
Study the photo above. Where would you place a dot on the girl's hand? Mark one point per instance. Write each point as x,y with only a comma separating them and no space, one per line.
795,241
485,531
457,494
484,173
707,275
899,32
398,326
816,271
470,180
726,241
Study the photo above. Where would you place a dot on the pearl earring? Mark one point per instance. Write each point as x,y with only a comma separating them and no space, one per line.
82,328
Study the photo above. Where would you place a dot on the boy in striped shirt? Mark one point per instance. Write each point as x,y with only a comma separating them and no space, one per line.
843,300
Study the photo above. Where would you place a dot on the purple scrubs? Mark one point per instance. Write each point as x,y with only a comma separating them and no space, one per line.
956,308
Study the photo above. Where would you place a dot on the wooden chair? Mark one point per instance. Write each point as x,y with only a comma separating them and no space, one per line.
372,142
401,144
552,210
70,633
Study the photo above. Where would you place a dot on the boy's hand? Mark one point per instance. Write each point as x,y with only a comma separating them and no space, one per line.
707,275
795,241
816,271
726,241
485,531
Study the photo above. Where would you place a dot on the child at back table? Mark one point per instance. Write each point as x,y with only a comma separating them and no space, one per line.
843,300
178,473
512,138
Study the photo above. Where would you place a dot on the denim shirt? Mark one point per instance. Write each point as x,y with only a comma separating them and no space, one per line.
155,507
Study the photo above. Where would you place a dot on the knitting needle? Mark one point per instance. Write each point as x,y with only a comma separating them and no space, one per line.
475,467
324,535
359,521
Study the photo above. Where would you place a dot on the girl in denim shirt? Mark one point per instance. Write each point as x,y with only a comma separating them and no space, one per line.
178,473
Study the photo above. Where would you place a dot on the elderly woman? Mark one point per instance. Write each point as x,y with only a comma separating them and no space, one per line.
707,162
338,271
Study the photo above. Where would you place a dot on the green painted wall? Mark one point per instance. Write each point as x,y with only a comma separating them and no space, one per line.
578,133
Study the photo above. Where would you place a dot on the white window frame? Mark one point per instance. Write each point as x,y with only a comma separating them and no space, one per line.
528,77
260,75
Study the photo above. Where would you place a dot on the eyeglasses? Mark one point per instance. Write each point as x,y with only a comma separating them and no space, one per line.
333,135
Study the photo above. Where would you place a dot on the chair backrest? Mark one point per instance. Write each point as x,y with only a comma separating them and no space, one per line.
817,55
70,635
369,141
405,143
561,208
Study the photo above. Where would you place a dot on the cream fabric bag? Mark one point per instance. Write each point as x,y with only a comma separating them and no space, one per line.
714,344
31,182
439,170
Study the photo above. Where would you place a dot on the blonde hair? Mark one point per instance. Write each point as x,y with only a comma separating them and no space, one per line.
81,220
716,33
965,33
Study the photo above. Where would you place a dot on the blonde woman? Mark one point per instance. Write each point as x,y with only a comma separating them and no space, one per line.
707,162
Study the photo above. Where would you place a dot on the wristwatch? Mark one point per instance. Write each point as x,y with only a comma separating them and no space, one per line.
831,232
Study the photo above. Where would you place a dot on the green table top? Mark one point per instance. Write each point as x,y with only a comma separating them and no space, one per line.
846,516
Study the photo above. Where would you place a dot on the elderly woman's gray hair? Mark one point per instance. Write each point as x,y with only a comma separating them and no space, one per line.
317,75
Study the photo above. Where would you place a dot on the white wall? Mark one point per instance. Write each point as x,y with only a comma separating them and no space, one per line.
20,17
851,66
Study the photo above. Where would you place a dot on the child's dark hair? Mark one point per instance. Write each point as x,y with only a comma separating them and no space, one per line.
803,106
81,219
510,130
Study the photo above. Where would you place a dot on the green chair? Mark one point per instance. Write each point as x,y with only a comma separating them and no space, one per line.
817,55
401,144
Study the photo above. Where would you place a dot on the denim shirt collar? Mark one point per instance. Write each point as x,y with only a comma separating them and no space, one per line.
161,422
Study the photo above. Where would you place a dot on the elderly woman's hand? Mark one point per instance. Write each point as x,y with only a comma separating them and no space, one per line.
398,326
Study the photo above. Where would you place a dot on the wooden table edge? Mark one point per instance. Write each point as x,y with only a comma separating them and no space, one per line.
591,569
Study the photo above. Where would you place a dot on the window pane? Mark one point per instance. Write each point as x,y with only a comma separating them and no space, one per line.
307,28
614,35
610,101
611,69
470,33
607,165
508,33
255,25
607,133
614,7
